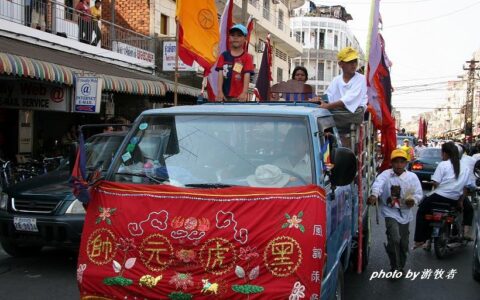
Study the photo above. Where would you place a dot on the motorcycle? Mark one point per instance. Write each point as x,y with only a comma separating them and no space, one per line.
447,229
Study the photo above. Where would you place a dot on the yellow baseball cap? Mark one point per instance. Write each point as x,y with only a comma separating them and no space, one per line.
398,153
347,54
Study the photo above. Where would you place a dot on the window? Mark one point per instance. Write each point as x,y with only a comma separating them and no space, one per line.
279,75
335,69
164,24
280,19
322,39
321,71
266,9
335,40
69,5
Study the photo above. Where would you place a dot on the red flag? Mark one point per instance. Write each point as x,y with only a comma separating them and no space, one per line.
225,24
250,26
262,87
421,127
380,88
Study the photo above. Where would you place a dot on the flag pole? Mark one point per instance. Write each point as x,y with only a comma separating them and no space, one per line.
175,95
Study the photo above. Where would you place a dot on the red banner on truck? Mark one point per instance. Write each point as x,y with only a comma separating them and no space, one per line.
160,241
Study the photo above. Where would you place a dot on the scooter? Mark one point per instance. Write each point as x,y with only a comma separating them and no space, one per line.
447,229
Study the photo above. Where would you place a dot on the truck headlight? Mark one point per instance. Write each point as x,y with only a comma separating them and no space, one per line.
3,201
76,208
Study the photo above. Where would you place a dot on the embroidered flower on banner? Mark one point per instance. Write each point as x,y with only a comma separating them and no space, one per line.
294,222
186,255
182,281
80,270
298,291
126,244
247,253
105,215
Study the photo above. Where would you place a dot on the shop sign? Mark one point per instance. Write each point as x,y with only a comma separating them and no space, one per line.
88,94
25,131
24,94
134,52
169,52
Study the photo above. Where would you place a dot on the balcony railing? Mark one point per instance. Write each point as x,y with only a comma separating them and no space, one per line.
65,21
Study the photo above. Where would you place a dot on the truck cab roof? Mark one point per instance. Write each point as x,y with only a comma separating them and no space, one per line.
274,108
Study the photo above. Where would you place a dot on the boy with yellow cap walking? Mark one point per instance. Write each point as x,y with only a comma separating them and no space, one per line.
397,191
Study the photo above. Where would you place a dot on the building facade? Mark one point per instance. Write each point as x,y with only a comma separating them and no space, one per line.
322,31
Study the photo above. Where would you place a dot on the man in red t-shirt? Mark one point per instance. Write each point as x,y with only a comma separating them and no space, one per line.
235,67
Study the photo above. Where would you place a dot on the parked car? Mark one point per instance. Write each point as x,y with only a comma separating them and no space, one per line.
424,166
42,211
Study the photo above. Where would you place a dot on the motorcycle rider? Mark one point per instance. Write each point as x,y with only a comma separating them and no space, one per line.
469,162
449,180
399,190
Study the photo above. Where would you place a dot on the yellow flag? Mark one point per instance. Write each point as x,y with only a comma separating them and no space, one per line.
198,33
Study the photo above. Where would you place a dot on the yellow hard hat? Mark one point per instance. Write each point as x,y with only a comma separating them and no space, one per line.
398,153
347,54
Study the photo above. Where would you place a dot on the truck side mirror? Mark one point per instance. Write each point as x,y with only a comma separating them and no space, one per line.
344,166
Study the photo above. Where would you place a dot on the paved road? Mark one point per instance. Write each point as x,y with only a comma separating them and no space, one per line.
52,275
461,287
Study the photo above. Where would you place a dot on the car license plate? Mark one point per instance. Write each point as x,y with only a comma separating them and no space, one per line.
25,224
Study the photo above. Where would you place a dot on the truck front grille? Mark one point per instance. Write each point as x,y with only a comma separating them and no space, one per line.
34,206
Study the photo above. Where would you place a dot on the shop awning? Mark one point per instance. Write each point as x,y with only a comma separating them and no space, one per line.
22,66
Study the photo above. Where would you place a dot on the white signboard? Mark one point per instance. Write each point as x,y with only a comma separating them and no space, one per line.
88,94
25,131
135,52
24,94
169,52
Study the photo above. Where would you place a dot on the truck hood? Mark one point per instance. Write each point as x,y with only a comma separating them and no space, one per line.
54,185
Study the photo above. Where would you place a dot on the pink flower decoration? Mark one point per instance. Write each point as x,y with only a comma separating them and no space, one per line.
247,253
182,280
294,221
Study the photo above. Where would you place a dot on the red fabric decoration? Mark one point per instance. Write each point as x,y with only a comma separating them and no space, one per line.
161,241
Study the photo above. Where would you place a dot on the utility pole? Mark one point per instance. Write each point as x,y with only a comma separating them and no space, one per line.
472,67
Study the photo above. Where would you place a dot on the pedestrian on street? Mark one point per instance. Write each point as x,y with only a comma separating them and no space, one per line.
419,147
96,17
235,67
408,150
398,191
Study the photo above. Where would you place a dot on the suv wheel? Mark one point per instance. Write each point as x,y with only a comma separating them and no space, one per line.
15,250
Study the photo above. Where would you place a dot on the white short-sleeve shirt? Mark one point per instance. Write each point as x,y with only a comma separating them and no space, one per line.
449,186
353,94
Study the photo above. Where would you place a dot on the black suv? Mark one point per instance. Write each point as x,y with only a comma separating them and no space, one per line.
42,211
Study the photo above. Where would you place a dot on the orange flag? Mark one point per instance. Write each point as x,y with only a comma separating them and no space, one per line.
198,32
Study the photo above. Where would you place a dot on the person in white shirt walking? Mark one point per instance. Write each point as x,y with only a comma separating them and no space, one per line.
450,178
419,147
398,191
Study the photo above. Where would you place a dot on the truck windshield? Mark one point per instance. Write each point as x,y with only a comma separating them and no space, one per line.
217,151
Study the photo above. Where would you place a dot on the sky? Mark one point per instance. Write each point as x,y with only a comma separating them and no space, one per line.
428,42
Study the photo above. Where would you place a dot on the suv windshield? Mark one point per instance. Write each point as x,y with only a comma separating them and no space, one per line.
213,150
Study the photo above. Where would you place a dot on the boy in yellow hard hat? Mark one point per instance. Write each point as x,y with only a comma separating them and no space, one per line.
398,191
408,150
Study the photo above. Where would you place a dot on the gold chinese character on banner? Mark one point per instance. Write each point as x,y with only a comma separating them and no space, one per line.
282,256
217,256
156,252
101,246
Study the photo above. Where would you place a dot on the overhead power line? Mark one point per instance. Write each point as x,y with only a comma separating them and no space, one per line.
433,18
